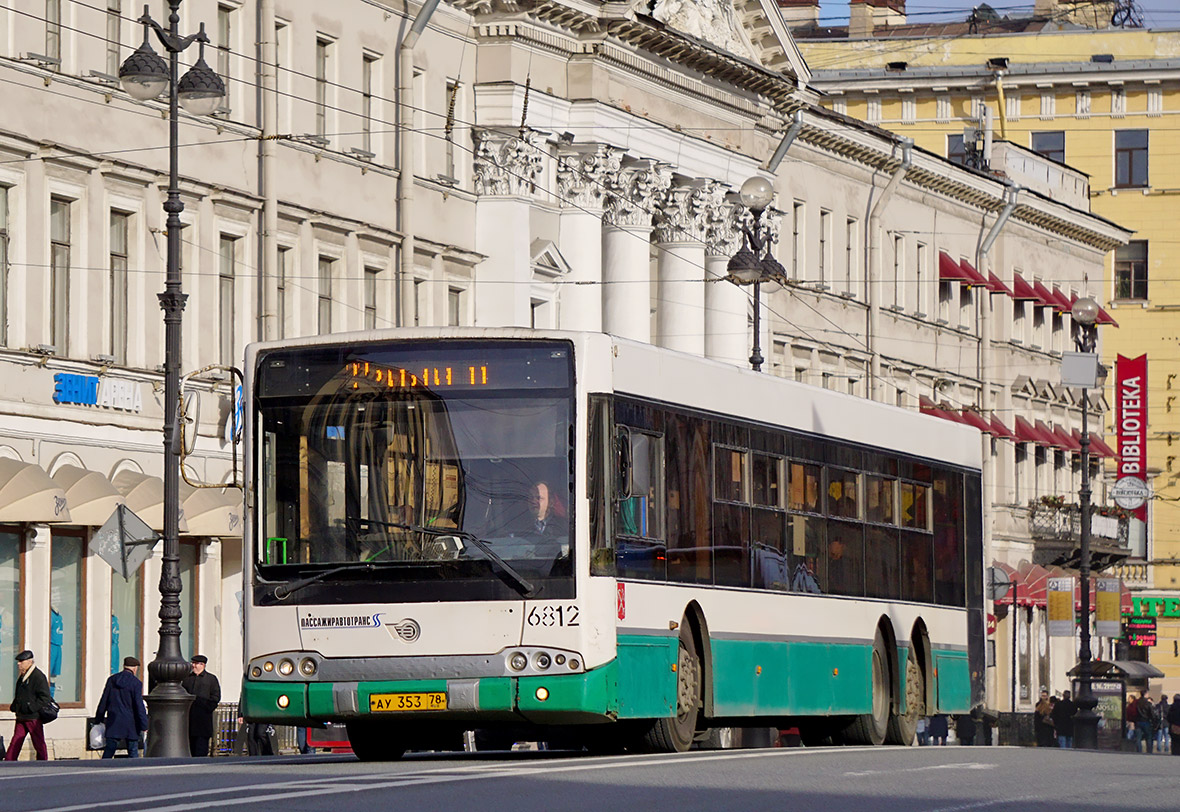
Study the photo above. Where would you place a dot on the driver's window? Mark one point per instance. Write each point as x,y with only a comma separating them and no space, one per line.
641,508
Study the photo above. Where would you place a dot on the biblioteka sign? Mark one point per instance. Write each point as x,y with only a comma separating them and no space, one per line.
1130,490
91,390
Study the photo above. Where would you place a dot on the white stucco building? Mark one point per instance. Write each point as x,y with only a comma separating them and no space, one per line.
530,162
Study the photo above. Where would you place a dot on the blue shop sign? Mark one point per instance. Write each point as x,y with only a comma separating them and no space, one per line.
91,390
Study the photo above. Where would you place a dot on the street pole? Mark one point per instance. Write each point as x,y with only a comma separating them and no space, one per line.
756,358
1085,734
144,75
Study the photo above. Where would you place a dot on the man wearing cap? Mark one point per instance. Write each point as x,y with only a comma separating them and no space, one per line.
32,693
122,710
206,691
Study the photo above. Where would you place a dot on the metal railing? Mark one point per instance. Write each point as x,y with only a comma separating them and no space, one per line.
229,739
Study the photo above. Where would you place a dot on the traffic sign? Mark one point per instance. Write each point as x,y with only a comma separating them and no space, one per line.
124,541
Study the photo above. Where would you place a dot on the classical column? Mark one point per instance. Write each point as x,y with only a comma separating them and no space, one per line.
506,170
626,247
726,304
681,216
583,172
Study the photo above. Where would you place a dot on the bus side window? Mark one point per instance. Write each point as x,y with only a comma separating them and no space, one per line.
642,550
603,483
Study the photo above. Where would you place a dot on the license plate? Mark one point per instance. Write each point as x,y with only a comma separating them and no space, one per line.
426,701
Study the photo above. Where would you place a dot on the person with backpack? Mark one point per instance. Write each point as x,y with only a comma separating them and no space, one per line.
32,694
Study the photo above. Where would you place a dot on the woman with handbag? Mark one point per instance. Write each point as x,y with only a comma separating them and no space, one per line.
1174,720
32,695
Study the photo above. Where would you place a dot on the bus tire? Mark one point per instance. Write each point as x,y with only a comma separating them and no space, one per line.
871,727
373,742
903,727
675,734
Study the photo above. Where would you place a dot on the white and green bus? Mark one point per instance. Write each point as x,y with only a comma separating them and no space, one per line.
573,536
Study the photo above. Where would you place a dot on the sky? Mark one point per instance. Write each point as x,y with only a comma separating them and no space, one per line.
1156,13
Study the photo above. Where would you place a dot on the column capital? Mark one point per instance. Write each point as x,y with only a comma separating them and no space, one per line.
723,224
682,212
633,192
584,172
507,163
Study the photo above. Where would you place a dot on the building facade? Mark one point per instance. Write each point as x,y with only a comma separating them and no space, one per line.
548,164
1066,84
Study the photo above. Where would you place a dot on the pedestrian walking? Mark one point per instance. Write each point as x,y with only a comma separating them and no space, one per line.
1042,723
1062,716
122,710
965,729
1163,733
939,729
1145,723
206,691
1174,724
32,694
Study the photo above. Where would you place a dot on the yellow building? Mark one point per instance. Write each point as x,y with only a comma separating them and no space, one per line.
1104,100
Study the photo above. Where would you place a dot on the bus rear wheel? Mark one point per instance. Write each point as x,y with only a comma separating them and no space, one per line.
903,727
872,727
675,734
373,742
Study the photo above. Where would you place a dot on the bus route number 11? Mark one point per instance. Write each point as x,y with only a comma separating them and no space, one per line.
550,615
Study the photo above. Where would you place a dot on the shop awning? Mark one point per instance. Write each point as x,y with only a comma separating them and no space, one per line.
1106,318
1064,303
1044,296
1001,430
974,418
1097,446
1013,576
975,276
1051,440
1022,290
28,494
211,511
1065,440
90,495
1025,433
1034,584
996,284
144,496
951,271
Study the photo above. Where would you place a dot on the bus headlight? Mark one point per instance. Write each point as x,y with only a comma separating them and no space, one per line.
283,701
542,661
286,667
518,662
307,667
256,672
542,694
268,666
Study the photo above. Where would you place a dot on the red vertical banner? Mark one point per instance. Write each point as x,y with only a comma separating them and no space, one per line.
1131,428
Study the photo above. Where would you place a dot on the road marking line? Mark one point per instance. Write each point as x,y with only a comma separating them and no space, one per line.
970,765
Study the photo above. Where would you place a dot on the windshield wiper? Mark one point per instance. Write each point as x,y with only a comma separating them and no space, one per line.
505,570
283,592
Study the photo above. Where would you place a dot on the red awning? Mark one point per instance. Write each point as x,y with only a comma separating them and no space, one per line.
997,284
1002,431
1022,290
1100,447
1106,318
951,413
951,271
1034,584
1025,432
1013,576
1063,302
974,418
1065,440
1051,439
1044,296
976,277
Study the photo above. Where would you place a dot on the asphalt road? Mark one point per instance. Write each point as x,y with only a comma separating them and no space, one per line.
927,779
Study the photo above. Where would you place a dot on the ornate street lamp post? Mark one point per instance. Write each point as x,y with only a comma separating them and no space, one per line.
1085,315
753,263
145,75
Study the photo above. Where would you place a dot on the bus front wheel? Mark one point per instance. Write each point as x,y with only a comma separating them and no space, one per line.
373,742
871,727
675,734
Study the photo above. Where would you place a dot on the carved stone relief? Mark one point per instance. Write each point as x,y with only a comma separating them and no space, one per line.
506,164
633,192
583,172
714,21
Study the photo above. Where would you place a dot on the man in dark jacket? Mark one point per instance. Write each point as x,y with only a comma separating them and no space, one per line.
1063,713
122,710
206,691
32,693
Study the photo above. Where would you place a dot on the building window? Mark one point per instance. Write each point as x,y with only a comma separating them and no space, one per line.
371,277
966,307
1130,158
825,243
1050,144
898,270
53,30
1130,270
190,554
920,277
368,77
59,274
126,611
114,36
945,295
324,302
452,101
225,23
226,275
281,293
118,260
454,307
1019,308
798,234
323,55
956,150
420,303
283,76
850,253
11,601
3,270
66,599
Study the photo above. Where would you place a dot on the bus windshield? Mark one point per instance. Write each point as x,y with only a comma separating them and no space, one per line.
370,455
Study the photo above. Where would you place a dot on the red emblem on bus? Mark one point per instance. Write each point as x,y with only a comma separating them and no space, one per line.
621,601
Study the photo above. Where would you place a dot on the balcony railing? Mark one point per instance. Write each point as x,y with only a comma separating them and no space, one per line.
1056,529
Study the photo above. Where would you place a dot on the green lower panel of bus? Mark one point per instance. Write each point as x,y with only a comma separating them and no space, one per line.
749,678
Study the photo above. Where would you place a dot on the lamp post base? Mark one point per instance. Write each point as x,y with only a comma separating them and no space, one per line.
1085,723
168,706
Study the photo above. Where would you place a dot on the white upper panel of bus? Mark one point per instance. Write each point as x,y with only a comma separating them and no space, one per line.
609,364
